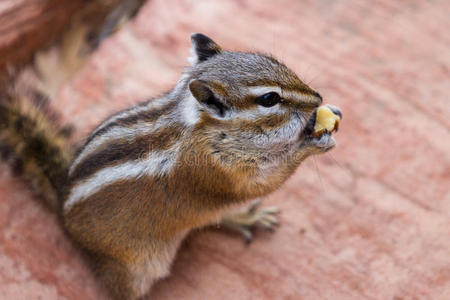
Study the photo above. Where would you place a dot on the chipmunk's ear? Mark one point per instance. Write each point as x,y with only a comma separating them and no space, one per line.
205,95
202,48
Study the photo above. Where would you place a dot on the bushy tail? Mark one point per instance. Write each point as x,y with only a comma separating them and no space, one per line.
34,143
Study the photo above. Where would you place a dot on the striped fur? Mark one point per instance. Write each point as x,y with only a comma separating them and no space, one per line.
154,164
140,142
149,174
34,142
136,141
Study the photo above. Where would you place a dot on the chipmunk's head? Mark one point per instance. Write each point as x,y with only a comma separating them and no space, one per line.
251,100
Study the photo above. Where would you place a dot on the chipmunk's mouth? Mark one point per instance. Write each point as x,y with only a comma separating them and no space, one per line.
318,129
325,119
309,127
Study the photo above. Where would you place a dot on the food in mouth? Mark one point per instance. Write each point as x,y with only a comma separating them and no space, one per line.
327,120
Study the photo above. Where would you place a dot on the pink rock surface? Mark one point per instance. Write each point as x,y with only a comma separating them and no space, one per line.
371,220
28,25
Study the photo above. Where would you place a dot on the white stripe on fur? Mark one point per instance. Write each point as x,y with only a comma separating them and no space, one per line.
190,110
121,132
156,164
115,133
261,90
154,104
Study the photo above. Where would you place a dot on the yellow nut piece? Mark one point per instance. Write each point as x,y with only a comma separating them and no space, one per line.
326,120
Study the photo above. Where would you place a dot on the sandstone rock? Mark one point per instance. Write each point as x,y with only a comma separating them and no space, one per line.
367,221
26,26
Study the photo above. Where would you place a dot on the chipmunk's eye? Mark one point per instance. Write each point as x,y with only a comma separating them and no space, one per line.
268,99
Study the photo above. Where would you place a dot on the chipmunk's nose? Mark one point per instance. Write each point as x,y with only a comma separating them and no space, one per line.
316,94
335,110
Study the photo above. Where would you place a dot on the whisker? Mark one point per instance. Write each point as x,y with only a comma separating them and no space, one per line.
318,173
337,163
313,79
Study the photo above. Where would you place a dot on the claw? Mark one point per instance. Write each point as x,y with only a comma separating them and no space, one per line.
248,236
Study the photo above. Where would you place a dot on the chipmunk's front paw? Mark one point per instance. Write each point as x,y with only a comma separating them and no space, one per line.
253,217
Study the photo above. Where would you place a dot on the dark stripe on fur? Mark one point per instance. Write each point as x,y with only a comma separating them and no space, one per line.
32,143
146,116
122,151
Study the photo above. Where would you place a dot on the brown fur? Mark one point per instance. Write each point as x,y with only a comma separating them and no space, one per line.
148,117
124,150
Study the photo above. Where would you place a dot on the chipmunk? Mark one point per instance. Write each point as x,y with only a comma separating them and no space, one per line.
233,129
